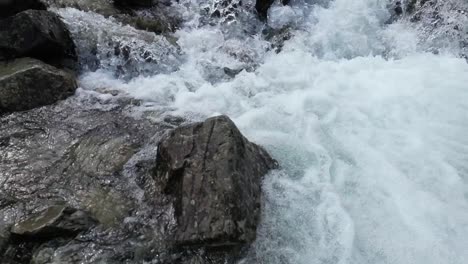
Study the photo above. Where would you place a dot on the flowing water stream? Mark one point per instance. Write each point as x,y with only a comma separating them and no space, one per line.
368,122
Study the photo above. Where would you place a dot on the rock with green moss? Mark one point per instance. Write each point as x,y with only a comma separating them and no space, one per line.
28,83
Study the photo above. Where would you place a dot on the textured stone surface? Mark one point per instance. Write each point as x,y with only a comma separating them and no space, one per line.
96,158
38,34
54,221
28,83
93,157
214,174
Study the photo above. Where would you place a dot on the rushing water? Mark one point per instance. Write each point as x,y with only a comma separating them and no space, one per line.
370,128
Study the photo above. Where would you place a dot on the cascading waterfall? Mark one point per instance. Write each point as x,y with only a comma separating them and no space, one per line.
369,126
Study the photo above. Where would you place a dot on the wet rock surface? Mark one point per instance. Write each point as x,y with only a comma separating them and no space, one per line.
214,175
28,83
148,15
38,34
11,7
129,42
85,169
55,221
54,226
82,157
81,179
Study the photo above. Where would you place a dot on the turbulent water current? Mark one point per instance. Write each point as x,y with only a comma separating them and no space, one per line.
368,120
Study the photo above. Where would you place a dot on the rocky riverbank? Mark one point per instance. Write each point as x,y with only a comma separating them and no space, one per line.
84,181
97,176
80,183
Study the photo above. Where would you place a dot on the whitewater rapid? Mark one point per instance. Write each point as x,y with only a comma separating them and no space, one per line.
369,128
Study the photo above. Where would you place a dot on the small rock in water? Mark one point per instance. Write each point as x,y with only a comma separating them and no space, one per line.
231,72
28,83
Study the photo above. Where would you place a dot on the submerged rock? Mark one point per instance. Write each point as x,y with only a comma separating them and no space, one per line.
11,7
28,83
55,221
38,34
277,37
232,72
214,175
40,233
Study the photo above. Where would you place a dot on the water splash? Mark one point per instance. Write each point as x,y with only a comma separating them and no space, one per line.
106,44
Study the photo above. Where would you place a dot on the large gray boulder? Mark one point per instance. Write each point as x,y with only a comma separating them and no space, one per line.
38,34
214,175
28,83
11,7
